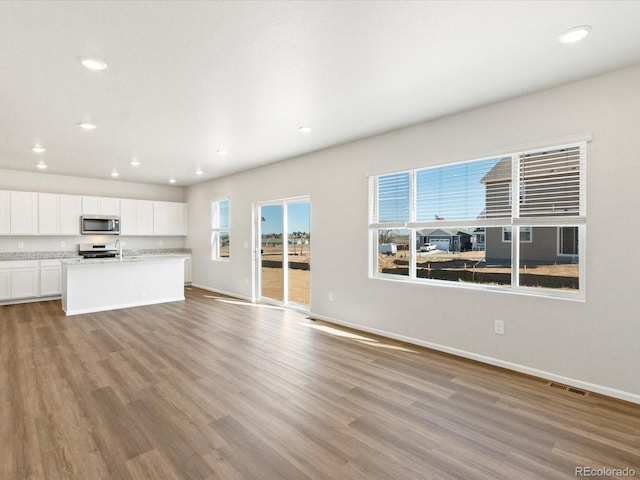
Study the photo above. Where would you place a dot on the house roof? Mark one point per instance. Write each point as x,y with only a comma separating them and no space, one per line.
440,232
501,172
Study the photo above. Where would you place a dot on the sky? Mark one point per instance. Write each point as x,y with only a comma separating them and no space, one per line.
298,218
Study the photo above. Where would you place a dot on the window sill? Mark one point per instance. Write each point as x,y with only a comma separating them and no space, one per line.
530,292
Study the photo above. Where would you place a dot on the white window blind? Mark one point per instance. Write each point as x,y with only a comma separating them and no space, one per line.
393,198
550,183
465,191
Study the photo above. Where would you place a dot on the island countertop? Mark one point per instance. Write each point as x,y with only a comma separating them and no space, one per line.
125,259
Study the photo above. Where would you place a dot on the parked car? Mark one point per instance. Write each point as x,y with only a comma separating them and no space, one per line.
428,247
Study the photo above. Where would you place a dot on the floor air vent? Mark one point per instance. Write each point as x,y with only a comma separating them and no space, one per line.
569,389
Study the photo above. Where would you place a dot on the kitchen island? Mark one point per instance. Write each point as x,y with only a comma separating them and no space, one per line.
99,284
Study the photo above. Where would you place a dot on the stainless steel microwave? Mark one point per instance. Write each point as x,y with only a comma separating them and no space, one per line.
99,225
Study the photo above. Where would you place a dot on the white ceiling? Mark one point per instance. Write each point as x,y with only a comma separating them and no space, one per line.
188,78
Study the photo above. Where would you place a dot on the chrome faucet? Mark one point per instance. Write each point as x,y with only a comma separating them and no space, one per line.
119,248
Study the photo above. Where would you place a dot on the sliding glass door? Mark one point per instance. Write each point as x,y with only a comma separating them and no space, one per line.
271,253
283,270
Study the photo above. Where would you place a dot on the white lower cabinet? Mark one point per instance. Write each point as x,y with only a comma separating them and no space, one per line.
50,278
22,279
5,283
19,279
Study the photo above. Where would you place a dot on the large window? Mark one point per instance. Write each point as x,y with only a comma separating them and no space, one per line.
455,223
220,230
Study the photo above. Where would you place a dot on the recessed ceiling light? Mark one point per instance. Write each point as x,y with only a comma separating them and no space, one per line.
305,129
41,165
574,34
198,171
92,63
115,173
134,162
172,180
221,152
38,149
86,126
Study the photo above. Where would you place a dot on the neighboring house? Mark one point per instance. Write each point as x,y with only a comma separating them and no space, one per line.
538,245
479,239
447,240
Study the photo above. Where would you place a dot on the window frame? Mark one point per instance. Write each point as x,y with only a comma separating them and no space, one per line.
217,230
515,221
559,241
523,229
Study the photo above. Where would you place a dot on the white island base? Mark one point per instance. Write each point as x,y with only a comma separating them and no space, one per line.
108,284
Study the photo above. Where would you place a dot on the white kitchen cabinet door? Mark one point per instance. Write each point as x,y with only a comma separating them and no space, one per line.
70,212
144,217
24,213
169,218
24,282
5,212
5,283
128,217
161,218
90,205
182,223
176,218
110,206
50,277
100,206
48,214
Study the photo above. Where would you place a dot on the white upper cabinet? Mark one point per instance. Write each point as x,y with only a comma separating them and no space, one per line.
136,217
48,214
5,212
100,206
110,206
128,218
24,213
90,205
169,218
70,211
144,217
58,214
32,213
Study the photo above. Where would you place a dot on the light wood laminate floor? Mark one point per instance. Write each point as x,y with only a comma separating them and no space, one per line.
214,388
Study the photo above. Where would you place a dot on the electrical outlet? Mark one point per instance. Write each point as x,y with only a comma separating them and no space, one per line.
498,327
63,244
246,244
246,281
20,244
331,296
160,243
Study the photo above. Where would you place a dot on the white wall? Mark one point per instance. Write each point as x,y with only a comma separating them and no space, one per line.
593,344
48,183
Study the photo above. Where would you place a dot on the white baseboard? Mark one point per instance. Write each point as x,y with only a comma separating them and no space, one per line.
592,387
222,292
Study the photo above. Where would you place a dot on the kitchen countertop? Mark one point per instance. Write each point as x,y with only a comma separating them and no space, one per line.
125,259
73,254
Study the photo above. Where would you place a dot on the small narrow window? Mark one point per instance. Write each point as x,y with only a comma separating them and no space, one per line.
220,230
